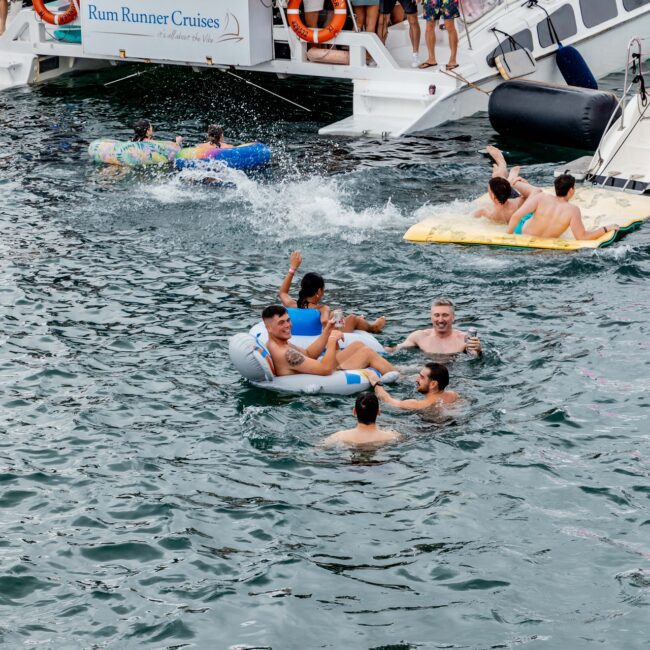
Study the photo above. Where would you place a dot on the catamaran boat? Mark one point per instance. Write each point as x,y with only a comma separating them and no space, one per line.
391,98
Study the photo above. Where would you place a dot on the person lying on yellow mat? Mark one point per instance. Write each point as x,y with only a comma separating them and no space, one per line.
545,215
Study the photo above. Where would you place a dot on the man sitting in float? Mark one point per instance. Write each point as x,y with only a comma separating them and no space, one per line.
289,359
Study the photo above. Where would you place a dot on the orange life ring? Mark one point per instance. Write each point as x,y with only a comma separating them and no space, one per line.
316,35
62,18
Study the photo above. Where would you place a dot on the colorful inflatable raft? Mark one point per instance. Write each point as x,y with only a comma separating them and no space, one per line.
249,354
599,208
132,154
247,156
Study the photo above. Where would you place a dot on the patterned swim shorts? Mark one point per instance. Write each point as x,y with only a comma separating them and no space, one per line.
445,9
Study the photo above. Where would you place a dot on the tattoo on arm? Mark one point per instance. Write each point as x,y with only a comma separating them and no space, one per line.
293,357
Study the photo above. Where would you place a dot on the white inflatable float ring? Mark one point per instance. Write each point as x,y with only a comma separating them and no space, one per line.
249,354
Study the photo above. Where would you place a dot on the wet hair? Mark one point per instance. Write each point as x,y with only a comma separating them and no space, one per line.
309,285
215,134
273,310
367,407
140,129
563,183
501,189
438,372
443,302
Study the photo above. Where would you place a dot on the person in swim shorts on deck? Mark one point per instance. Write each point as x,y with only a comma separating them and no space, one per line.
442,338
500,190
4,12
431,382
312,289
366,433
411,11
446,10
289,359
545,215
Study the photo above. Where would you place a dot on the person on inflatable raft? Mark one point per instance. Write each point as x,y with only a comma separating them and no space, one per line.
312,290
143,132
289,359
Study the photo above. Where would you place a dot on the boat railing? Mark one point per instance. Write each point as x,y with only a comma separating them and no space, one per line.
633,61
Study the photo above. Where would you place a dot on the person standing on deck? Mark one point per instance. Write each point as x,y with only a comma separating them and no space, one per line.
446,10
411,11
4,10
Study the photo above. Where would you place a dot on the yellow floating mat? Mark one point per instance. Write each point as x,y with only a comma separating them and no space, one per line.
599,208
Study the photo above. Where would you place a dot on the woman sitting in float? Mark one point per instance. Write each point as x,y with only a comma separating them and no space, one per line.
143,132
312,289
140,150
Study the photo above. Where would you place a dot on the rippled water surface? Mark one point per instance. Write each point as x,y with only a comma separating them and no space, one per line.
150,498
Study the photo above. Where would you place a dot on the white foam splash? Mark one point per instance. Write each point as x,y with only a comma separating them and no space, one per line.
614,252
308,206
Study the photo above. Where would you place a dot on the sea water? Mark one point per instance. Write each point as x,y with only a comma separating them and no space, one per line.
149,497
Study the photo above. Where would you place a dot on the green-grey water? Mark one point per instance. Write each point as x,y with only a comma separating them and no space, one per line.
150,498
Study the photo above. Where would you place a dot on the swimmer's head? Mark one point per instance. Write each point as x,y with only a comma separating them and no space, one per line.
443,314
433,376
500,189
215,135
366,408
564,183
142,129
312,285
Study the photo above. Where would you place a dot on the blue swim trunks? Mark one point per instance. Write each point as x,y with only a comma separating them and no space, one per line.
519,228
445,9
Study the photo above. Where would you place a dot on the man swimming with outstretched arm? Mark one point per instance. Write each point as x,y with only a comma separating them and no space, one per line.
431,383
289,359
500,190
545,215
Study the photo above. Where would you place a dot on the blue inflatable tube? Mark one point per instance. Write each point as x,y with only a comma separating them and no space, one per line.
247,156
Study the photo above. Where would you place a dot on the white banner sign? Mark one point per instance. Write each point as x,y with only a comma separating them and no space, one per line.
227,32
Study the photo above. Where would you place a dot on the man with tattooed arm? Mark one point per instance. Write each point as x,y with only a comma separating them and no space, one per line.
289,359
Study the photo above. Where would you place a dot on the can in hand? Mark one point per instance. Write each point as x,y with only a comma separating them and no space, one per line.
339,321
472,333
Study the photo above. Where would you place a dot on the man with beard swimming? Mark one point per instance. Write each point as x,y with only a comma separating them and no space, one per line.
432,383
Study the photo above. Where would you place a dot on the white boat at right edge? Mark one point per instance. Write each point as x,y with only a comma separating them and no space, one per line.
393,99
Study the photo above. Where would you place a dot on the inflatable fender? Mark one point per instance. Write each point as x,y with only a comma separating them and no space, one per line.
574,68
247,156
306,328
563,115
132,154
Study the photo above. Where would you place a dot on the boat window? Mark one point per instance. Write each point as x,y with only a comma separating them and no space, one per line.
631,5
595,12
564,21
523,38
475,9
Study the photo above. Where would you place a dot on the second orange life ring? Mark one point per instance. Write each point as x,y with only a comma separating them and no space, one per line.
62,18
316,35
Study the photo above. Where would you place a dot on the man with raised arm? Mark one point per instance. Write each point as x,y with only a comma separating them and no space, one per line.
545,215
366,433
289,359
500,190
431,383
442,338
